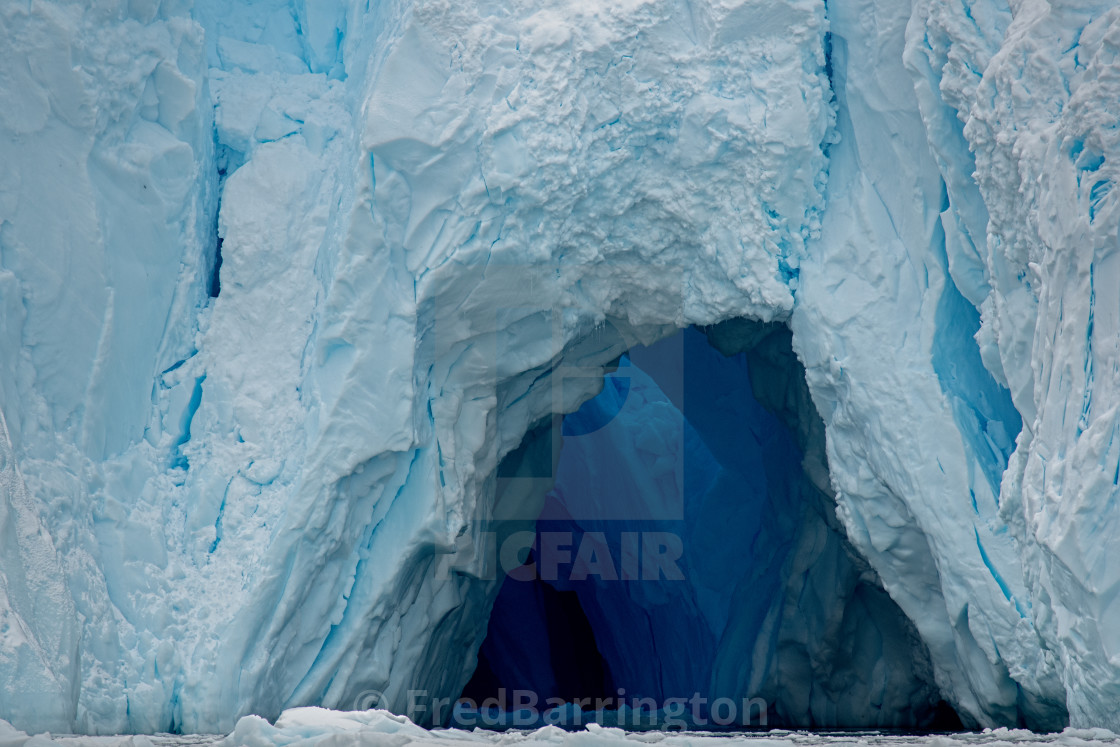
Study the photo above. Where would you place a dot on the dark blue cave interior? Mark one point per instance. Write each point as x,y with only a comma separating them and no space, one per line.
687,547
540,640
675,436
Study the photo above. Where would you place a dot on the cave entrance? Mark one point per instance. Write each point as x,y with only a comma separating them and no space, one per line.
687,568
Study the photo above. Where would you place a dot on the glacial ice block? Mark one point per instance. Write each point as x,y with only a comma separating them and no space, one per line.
424,210
283,282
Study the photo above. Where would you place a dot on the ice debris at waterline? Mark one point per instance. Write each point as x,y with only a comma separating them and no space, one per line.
282,283
308,727
311,726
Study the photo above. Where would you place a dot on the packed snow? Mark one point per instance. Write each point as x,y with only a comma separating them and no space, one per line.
283,282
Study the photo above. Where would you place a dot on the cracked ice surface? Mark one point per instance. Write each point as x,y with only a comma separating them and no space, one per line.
216,506
423,211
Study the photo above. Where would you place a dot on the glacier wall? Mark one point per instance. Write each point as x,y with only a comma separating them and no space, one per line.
1042,173
282,282
924,437
106,244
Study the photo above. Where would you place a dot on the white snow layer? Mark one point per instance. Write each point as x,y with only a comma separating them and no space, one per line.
215,504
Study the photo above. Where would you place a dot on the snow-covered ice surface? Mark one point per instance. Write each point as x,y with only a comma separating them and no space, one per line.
307,727
283,281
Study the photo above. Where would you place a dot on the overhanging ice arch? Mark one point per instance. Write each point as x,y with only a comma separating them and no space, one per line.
687,545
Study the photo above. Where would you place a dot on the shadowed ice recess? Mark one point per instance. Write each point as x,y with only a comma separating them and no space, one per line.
757,568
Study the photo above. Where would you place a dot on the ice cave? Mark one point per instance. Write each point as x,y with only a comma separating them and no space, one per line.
648,595
356,354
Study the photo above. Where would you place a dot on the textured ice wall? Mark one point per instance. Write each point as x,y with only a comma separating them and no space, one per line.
918,430
107,207
1031,90
424,211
